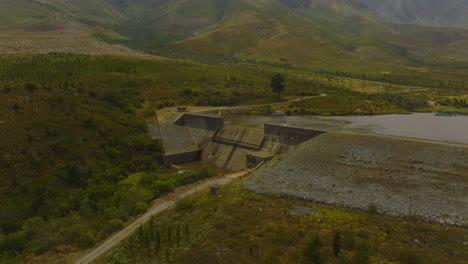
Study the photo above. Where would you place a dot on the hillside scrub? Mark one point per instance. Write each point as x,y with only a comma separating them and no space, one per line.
240,226
71,137
72,129
349,103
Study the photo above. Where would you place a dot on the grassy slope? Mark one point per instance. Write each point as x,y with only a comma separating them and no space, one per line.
336,36
323,34
240,226
66,143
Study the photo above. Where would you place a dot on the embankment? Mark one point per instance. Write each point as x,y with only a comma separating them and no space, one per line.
399,176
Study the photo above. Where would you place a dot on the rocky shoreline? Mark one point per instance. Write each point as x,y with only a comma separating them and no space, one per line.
421,179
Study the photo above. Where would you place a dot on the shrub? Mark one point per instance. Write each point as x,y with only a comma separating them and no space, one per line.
148,112
114,224
169,102
30,87
409,258
185,204
372,208
360,258
312,250
160,105
86,239
140,207
337,244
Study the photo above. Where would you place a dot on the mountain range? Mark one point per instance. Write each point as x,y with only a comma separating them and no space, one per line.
301,33
446,13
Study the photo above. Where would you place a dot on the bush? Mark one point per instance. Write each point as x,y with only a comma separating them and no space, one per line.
409,258
86,239
312,250
337,244
185,204
140,207
30,87
160,105
114,224
169,103
148,112
372,208
361,258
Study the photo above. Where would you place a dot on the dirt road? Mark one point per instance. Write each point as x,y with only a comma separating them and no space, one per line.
155,207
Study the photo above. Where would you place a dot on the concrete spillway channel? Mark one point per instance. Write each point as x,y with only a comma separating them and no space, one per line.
200,136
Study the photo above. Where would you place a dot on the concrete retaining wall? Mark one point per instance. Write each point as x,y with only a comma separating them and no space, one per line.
243,137
289,135
182,157
200,121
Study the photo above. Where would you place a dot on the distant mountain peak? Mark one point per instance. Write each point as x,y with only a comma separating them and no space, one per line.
445,13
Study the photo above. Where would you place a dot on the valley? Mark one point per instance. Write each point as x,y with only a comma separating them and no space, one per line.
90,133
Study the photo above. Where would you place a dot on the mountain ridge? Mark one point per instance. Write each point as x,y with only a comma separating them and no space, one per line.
301,33
447,13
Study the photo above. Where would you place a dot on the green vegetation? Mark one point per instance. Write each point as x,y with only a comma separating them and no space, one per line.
245,227
76,160
348,102
79,162
277,84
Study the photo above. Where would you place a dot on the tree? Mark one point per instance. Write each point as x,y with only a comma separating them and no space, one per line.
178,234
187,232
157,243
312,250
277,84
30,87
337,244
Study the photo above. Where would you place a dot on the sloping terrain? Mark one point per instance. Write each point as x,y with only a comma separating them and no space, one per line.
333,34
447,13
240,226
58,26
321,33
394,175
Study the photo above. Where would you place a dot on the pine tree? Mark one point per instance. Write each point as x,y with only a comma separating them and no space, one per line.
140,233
178,234
187,232
312,250
277,84
157,243
168,255
151,229
337,244
169,235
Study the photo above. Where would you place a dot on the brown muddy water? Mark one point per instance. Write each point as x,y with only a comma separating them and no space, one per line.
418,125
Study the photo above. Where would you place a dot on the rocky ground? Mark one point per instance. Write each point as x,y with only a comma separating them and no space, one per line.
393,175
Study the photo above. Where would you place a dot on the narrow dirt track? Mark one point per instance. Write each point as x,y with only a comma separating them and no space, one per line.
156,207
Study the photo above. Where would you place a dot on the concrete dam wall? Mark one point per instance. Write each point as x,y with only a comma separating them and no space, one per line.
226,146
288,135
229,146
202,121
182,157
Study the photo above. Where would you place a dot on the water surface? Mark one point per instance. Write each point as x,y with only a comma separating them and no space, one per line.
418,125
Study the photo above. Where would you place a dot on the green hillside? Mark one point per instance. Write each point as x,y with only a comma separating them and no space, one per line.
240,226
339,35
79,80
332,35
77,160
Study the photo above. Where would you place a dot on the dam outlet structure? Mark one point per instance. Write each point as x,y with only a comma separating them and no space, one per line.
192,136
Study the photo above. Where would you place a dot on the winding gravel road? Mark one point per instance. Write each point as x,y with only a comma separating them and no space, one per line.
156,207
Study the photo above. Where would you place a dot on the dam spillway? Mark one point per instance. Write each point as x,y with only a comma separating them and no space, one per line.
201,136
